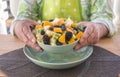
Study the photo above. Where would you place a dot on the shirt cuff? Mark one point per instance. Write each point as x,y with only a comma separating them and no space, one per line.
109,25
13,26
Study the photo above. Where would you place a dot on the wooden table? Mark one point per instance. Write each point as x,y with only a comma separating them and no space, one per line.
9,43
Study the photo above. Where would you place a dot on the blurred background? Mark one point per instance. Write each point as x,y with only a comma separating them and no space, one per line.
6,16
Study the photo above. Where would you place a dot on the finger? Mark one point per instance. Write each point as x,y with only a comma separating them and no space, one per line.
29,34
83,39
21,35
80,45
94,34
86,34
30,23
91,39
35,46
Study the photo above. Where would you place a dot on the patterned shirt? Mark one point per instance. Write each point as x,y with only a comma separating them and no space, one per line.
98,11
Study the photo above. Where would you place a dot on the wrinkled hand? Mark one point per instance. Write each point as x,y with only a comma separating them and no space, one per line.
23,32
92,34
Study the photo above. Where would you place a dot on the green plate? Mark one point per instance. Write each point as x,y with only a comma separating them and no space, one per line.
58,61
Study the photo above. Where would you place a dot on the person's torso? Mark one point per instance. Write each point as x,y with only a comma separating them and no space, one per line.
61,9
77,10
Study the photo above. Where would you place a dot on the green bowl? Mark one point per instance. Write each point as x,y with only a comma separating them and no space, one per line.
58,49
56,60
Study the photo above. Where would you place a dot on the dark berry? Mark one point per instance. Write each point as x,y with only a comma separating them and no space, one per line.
51,28
42,32
46,40
63,27
68,36
58,43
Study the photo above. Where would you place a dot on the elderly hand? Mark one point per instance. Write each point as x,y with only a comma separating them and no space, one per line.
23,32
92,34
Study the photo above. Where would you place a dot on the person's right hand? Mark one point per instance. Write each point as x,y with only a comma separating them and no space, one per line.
23,31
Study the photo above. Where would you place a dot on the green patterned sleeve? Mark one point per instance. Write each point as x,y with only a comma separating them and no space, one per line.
101,12
29,9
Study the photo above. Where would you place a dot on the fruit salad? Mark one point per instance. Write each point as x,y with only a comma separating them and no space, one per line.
58,31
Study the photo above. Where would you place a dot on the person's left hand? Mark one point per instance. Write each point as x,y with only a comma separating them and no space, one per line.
93,32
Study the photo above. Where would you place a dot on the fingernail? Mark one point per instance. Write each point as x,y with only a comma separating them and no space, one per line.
37,48
76,47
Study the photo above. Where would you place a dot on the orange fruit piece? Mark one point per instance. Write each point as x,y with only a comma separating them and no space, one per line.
38,26
46,23
60,21
62,38
57,30
69,30
71,40
79,35
74,25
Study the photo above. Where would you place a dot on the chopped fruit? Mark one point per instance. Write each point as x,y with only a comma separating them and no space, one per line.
68,22
46,28
42,32
49,33
60,21
55,38
79,35
74,25
46,40
68,36
62,38
63,27
39,38
71,40
47,23
69,30
38,26
59,30
58,43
